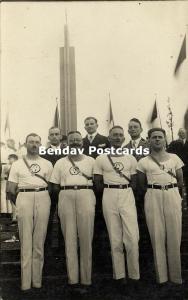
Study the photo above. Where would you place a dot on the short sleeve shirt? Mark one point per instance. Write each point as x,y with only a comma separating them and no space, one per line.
157,175
20,174
127,164
65,173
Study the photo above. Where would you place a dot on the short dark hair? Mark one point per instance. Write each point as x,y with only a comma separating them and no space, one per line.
91,118
32,134
54,127
136,120
116,126
150,131
74,131
13,156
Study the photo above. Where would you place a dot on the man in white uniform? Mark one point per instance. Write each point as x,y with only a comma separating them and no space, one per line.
29,177
119,208
76,208
160,175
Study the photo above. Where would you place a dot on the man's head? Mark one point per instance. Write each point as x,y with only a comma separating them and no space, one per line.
12,158
33,142
182,133
157,138
116,136
74,139
54,136
134,128
64,141
90,125
11,143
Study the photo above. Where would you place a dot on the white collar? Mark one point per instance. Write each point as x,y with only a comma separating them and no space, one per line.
93,135
136,142
55,147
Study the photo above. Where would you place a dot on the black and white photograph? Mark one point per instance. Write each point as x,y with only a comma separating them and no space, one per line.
94,150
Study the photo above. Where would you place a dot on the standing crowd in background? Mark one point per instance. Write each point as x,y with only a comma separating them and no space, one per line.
119,188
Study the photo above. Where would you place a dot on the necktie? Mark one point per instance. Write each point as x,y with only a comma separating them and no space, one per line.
90,138
134,144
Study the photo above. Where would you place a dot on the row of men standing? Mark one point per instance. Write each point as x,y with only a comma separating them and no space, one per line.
77,205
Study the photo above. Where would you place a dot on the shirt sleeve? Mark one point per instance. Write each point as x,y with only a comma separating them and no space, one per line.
179,163
14,175
98,166
141,165
56,176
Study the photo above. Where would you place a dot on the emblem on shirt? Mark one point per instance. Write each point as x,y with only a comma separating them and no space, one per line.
35,168
119,166
74,171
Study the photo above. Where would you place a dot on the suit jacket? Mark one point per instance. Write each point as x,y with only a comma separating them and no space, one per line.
52,157
99,141
181,150
142,143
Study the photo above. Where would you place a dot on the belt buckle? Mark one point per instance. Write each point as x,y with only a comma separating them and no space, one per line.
120,186
75,187
37,189
165,187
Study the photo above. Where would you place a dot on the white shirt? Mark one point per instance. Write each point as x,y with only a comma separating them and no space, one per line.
91,135
55,147
127,164
20,174
155,174
65,174
135,142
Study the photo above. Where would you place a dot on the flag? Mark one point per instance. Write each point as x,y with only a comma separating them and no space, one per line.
182,56
7,127
56,122
110,119
186,121
154,113
155,119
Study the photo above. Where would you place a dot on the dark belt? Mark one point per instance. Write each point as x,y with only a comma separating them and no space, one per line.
33,190
76,187
117,186
162,187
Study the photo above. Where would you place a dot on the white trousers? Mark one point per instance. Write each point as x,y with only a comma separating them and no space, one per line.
121,220
76,211
164,221
33,213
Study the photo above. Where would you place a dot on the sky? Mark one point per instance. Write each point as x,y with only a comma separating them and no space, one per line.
127,49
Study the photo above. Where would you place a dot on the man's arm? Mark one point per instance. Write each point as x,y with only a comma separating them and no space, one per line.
134,182
12,191
98,183
142,183
179,176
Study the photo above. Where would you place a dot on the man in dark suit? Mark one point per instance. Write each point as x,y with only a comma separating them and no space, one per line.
180,148
93,138
135,130
55,140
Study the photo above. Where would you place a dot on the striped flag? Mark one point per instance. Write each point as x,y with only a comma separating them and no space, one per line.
182,56
110,118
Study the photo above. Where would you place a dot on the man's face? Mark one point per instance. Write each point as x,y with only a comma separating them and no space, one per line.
33,143
182,133
134,129
11,143
54,136
75,141
157,140
11,160
91,126
116,137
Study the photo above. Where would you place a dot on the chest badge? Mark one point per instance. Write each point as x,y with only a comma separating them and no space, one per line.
35,168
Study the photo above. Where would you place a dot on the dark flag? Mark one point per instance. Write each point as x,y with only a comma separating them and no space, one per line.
56,122
7,127
182,56
154,113
110,118
186,120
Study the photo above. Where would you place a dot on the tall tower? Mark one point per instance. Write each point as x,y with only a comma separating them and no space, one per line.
68,111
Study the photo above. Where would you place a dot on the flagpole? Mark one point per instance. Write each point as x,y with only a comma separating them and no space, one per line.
111,108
